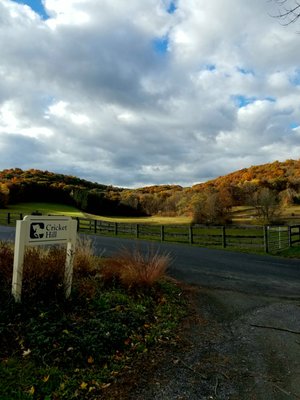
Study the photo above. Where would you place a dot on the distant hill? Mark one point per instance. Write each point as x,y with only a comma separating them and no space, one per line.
276,175
17,175
16,185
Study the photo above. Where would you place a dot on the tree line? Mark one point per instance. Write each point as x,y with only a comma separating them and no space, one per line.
263,187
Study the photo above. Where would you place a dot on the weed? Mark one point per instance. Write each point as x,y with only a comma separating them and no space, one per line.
6,263
133,268
43,272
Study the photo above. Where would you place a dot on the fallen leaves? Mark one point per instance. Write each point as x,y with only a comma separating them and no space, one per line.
26,352
90,360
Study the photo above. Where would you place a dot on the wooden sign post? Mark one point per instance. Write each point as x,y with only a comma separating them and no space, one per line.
43,231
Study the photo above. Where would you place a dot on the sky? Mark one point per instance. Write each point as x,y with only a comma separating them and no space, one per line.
135,93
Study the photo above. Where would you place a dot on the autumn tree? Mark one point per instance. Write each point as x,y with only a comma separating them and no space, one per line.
266,204
211,207
4,195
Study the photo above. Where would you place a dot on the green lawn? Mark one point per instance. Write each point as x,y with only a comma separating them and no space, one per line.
246,215
153,220
62,209
44,208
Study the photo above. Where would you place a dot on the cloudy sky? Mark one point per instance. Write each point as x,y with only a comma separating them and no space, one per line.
140,92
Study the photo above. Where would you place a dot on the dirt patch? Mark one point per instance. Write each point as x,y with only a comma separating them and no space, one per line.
226,348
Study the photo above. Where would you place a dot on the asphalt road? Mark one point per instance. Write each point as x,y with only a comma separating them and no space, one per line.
248,273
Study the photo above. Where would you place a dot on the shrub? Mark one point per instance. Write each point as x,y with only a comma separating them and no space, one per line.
44,267
6,263
85,261
43,271
133,268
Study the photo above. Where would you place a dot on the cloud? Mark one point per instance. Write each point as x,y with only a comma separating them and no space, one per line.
138,93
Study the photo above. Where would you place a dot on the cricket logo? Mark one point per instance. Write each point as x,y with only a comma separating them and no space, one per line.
37,230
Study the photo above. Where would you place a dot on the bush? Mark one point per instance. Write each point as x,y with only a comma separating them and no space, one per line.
44,267
6,263
85,261
133,268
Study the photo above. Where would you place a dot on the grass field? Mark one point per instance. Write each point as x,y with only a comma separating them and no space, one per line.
44,208
153,220
246,215
241,214
62,209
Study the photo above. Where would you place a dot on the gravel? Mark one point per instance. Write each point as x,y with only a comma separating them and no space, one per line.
227,348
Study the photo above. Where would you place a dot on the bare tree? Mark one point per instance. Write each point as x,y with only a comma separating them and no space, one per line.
288,11
266,204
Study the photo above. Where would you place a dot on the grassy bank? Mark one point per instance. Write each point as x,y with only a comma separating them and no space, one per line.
61,209
44,208
52,348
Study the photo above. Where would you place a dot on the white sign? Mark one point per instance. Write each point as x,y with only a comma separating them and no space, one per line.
36,230
41,231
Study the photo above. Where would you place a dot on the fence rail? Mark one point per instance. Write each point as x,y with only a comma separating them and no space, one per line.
10,218
268,238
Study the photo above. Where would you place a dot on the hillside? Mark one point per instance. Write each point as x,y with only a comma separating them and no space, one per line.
17,175
277,175
18,186
234,189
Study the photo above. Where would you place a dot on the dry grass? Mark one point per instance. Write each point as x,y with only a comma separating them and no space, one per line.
6,263
43,271
85,261
133,268
44,268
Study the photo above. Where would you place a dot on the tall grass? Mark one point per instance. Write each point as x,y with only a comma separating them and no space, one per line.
134,268
44,267
85,261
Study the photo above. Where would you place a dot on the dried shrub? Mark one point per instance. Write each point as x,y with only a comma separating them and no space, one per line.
44,267
85,261
43,271
6,263
134,268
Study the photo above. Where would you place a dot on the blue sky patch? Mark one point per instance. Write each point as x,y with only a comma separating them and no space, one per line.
294,125
245,71
243,101
209,67
172,8
160,45
295,78
36,5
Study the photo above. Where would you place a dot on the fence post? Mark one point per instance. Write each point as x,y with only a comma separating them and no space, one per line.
137,231
191,239
266,239
116,228
224,237
78,223
162,233
290,236
8,218
95,226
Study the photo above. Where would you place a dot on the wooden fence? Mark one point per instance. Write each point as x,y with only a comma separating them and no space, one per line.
10,218
267,238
